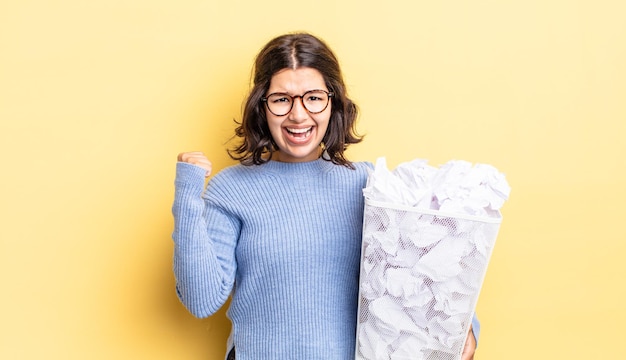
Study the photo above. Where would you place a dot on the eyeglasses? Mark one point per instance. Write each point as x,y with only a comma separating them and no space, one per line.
314,101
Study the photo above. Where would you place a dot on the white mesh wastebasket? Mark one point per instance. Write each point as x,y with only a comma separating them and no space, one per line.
421,274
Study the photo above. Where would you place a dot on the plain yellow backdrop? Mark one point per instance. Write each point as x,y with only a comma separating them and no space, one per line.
98,97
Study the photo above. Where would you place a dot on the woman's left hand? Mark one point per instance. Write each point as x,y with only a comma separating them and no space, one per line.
470,346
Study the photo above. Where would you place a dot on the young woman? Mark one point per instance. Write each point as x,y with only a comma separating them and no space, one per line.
281,231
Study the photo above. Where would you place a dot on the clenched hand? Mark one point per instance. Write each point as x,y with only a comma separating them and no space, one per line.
196,158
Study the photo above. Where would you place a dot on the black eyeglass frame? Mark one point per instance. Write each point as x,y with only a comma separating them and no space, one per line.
293,101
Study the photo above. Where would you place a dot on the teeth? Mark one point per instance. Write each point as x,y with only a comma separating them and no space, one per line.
298,131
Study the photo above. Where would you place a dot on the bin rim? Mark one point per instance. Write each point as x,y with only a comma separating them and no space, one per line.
497,219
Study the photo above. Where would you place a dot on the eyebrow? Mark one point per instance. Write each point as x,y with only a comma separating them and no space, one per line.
291,94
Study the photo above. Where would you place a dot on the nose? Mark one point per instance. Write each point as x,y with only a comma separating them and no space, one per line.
298,112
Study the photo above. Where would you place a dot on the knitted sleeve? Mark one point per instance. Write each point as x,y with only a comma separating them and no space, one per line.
476,328
204,245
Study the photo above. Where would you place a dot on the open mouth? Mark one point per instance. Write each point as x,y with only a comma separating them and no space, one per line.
300,133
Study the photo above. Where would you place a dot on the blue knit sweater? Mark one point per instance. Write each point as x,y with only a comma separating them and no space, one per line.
285,239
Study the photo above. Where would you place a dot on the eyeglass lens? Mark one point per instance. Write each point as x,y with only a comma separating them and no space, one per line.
314,101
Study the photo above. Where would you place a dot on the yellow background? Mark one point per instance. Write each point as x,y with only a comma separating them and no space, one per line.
97,98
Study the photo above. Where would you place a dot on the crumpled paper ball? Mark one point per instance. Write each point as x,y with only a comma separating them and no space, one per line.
455,187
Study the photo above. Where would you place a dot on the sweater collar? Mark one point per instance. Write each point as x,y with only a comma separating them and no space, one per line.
296,168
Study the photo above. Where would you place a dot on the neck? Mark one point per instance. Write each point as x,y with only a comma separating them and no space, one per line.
278,156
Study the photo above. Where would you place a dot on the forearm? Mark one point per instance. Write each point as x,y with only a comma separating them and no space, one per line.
203,246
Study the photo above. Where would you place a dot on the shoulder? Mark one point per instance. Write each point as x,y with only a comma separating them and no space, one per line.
358,174
360,168
231,185
235,174
363,165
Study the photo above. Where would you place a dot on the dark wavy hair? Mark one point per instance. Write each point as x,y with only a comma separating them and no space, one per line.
295,51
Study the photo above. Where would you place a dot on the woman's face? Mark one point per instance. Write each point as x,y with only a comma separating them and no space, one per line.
299,133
